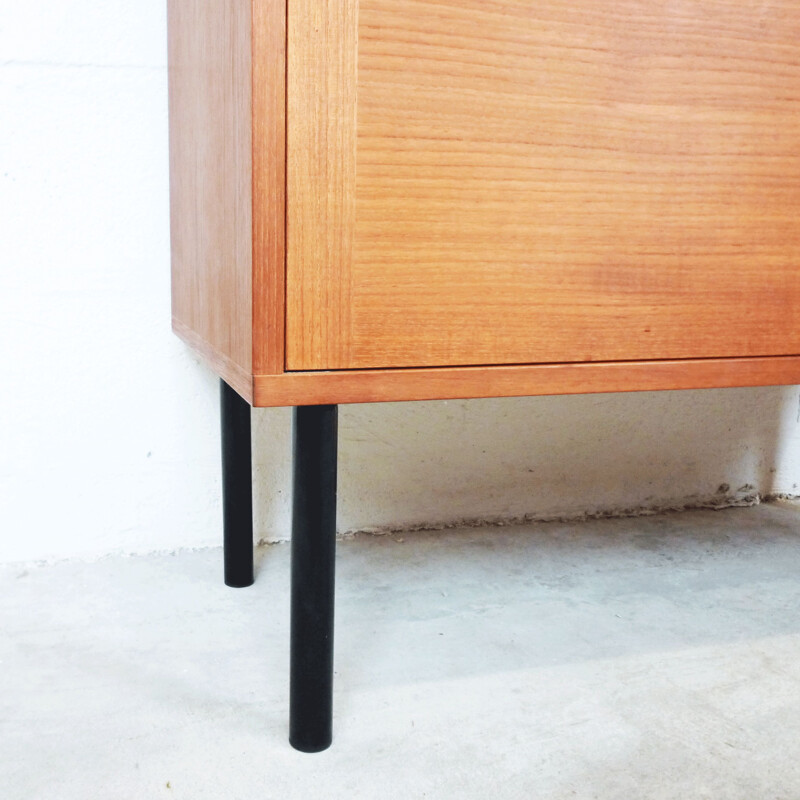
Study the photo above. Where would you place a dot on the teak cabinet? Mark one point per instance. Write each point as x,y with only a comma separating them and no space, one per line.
412,199
405,199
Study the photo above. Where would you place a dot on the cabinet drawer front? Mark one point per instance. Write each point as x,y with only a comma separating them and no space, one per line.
486,182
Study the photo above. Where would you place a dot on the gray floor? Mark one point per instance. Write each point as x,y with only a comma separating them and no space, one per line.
656,657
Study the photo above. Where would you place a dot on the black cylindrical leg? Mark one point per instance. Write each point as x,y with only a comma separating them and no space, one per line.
313,555
237,488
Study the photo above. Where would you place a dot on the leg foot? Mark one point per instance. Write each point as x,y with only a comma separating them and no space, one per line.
313,555
237,488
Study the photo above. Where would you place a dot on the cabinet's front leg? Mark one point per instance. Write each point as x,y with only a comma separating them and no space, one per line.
237,488
313,555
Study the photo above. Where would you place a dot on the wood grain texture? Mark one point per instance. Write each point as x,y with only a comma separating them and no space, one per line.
210,179
564,181
321,125
373,386
486,182
269,183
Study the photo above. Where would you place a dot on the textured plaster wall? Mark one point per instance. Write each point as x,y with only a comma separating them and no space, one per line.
108,425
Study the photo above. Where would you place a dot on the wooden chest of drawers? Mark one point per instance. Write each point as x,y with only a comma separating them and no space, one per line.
407,199
385,200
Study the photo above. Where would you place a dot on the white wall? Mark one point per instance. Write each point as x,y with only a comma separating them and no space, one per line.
109,428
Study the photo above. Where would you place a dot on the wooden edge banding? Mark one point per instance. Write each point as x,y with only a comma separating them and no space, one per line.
373,386
269,183
320,180
236,377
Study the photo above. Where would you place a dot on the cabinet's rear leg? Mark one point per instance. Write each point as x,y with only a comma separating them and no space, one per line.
237,488
313,555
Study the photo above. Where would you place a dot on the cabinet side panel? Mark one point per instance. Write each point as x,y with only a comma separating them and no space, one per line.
269,184
210,180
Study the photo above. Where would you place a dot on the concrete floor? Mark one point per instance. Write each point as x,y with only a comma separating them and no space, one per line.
656,657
